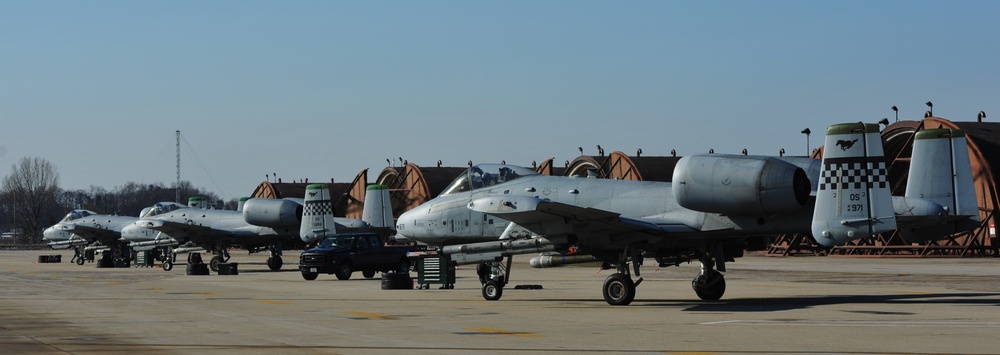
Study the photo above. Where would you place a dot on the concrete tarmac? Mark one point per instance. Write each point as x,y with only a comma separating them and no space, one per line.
801,305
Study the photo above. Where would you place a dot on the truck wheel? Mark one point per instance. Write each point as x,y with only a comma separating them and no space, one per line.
309,276
368,273
344,271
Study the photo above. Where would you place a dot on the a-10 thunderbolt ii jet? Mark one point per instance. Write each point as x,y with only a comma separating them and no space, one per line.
84,229
263,224
712,205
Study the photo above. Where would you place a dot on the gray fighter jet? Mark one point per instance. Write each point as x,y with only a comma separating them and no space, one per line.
170,224
85,229
712,205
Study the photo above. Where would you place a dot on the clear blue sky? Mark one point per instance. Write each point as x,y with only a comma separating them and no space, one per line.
324,89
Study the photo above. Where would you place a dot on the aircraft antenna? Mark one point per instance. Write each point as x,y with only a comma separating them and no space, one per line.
177,188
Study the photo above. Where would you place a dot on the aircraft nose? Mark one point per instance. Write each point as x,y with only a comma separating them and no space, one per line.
131,231
405,221
49,234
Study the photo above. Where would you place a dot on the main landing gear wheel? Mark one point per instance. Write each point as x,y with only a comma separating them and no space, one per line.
309,276
368,274
492,290
619,290
79,261
167,265
214,263
709,286
274,263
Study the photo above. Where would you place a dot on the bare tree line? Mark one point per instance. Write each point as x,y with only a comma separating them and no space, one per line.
31,199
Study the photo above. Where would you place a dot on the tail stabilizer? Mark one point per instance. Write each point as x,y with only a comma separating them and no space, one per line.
377,211
853,199
198,202
317,214
940,172
242,201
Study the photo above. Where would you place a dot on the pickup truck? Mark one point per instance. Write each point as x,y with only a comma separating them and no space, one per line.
343,254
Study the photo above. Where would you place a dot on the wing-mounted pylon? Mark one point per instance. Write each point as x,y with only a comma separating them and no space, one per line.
853,199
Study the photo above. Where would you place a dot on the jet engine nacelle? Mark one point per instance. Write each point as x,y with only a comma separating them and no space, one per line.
269,212
737,184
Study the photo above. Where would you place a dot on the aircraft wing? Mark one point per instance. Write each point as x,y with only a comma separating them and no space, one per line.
539,215
96,232
171,228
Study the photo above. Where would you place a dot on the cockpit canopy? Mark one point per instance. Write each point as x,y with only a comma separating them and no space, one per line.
77,214
161,208
486,175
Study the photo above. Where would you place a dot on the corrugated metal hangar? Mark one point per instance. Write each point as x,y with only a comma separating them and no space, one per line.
411,185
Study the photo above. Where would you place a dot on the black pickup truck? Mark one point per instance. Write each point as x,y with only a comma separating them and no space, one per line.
343,254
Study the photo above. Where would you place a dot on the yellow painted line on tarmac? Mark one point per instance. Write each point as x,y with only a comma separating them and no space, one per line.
371,315
208,294
82,279
153,288
273,302
504,332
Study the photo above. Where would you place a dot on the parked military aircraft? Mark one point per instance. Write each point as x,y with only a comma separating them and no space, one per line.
271,224
712,205
80,228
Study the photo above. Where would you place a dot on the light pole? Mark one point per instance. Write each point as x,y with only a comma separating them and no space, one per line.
807,132
896,110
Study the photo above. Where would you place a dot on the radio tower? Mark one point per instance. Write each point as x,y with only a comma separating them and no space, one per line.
177,188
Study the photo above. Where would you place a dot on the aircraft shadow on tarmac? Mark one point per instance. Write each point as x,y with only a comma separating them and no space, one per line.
803,302
774,304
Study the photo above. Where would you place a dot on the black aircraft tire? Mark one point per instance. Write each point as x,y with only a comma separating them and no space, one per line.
309,276
344,271
709,287
396,281
274,263
79,261
214,263
368,274
492,290
619,290
168,265
198,269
